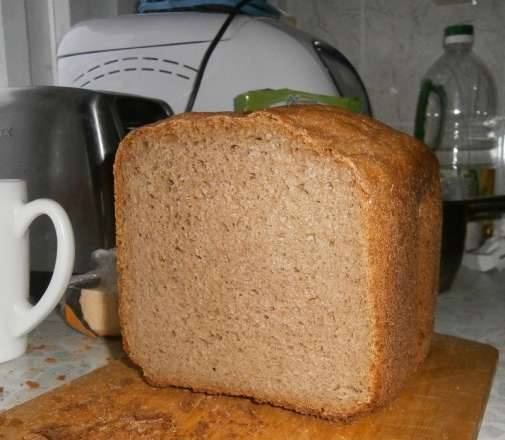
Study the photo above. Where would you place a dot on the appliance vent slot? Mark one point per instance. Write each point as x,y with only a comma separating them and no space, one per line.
147,64
190,68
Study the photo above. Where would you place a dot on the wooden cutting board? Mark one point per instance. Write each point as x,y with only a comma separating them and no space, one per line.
444,401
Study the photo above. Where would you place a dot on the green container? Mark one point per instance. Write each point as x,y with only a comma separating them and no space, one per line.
267,98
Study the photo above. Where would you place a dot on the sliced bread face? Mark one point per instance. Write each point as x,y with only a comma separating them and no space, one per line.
245,269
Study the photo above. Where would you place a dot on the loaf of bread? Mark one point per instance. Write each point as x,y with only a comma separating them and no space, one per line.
288,255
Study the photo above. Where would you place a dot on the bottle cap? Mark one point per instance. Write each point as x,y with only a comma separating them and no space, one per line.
458,33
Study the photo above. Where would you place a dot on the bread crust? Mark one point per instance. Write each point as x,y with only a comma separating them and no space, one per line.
399,181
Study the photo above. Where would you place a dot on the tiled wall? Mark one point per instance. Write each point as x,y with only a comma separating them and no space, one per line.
393,42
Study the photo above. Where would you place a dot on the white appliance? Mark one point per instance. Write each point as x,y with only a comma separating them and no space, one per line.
158,55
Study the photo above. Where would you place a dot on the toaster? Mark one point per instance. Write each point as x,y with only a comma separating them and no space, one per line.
62,141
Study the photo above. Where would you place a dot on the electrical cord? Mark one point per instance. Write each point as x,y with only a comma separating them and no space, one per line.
206,57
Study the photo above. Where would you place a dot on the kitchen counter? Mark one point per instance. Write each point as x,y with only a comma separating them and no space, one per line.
473,309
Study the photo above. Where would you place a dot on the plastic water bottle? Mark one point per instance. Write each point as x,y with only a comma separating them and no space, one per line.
454,115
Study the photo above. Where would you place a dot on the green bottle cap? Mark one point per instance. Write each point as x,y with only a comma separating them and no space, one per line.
458,29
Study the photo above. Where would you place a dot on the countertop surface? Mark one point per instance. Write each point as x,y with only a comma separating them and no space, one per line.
473,309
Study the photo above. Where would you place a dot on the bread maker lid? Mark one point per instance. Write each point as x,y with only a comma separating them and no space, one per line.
145,30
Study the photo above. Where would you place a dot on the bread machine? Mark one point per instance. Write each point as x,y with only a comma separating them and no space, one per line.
62,141
158,55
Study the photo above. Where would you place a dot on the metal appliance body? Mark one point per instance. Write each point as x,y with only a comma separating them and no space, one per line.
62,141
158,55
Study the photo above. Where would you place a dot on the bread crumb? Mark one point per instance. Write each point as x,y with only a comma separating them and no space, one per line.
51,360
1,390
32,384
61,377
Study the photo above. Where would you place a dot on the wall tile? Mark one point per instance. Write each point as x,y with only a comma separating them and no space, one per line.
393,42
338,23
402,39
388,41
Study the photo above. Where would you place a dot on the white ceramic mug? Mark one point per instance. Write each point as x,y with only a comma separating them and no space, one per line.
17,316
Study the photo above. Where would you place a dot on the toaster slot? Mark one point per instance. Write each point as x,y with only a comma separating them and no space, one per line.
134,112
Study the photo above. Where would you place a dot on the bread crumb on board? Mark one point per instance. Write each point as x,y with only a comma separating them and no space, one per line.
32,384
36,347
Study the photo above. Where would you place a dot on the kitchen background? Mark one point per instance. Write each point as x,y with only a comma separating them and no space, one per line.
390,42
393,42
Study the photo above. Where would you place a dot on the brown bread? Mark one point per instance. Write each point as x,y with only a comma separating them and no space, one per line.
288,255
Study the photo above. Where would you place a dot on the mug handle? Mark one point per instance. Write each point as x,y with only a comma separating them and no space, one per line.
26,317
